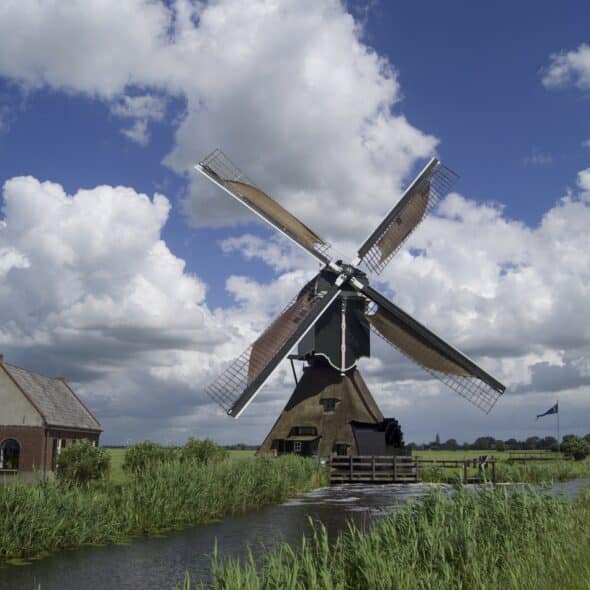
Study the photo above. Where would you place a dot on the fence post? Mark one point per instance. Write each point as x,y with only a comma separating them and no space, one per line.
350,470
494,471
373,467
465,467
394,468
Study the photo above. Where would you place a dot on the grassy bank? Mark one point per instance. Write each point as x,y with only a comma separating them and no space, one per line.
499,538
36,519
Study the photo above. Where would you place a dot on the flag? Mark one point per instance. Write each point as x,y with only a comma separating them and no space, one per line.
553,410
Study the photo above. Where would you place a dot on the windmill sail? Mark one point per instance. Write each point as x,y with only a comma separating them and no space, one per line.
432,353
238,385
433,183
220,169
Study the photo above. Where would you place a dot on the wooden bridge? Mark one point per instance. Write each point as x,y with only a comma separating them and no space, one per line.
406,469
371,469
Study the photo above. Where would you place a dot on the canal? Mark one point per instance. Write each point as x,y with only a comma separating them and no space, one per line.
161,562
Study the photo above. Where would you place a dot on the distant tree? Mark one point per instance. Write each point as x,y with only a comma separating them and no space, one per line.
548,442
451,444
568,437
437,440
575,447
512,444
484,443
466,446
500,446
532,442
587,438
81,463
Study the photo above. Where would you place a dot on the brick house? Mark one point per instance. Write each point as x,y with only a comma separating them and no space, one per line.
39,416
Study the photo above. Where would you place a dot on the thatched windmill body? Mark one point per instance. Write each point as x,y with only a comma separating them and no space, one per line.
331,409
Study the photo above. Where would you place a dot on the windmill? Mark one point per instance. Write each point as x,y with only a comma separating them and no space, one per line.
331,409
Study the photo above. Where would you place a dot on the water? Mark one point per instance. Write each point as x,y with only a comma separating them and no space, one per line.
161,562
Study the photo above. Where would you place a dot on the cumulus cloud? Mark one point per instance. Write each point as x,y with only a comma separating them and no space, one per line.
90,289
292,93
568,68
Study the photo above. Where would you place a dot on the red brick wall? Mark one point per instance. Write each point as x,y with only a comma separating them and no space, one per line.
31,440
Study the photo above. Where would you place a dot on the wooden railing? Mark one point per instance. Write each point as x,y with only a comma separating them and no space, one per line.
480,463
377,469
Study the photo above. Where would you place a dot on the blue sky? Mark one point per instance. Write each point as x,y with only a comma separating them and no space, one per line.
468,81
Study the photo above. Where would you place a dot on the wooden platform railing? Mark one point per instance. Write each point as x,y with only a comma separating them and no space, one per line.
377,469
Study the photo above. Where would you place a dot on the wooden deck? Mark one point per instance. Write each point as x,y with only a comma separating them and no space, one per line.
370,469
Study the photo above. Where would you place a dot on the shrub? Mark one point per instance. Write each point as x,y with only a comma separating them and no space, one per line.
82,462
576,448
203,451
146,454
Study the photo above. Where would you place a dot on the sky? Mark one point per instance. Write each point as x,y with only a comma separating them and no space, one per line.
124,271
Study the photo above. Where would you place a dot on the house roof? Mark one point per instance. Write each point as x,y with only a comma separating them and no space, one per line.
54,399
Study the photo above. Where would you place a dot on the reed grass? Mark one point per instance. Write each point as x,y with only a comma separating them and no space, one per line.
496,539
37,519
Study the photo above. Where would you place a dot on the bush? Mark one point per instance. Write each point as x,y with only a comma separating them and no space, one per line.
576,448
82,462
203,451
147,454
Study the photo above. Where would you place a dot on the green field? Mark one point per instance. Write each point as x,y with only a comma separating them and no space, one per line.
556,469
460,454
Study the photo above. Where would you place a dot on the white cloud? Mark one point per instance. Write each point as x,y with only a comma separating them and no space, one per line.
90,288
586,143
584,183
138,132
142,109
288,88
568,68
145,107
102,299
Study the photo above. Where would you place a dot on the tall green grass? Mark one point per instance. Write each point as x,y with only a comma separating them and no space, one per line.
36,519
496,539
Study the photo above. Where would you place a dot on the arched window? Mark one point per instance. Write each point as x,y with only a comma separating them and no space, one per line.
9,454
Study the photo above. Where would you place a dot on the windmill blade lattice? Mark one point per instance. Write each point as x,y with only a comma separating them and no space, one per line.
223,172
423,195
432,353
234,389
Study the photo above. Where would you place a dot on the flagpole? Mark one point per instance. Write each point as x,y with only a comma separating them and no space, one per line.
558,441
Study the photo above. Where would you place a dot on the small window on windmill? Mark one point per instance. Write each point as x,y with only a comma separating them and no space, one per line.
329,404
341,449
303,431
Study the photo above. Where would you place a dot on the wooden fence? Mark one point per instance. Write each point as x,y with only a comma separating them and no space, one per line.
374,469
